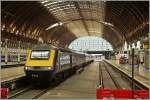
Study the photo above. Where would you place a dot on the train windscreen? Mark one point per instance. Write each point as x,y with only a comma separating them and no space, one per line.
40,55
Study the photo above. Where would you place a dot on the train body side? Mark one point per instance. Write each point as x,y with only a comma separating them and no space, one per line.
68,60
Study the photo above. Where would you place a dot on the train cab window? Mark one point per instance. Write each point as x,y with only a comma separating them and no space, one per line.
40,55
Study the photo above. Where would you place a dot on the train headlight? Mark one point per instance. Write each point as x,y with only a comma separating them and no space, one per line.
26,68
49,68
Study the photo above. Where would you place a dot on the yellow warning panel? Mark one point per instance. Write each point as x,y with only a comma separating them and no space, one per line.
40,62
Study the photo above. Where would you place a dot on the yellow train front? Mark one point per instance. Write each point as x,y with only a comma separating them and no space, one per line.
46,61
40,61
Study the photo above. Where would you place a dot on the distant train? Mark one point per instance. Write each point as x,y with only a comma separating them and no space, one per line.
45,61
11,55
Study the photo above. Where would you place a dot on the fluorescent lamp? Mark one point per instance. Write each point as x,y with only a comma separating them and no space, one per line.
106,23
44,1
51,3
54,25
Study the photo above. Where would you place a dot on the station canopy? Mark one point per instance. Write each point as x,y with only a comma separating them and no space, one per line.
61,22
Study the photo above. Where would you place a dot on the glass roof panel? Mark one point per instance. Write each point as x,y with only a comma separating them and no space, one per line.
90,43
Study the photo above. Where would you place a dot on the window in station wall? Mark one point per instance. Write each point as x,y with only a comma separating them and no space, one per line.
90,43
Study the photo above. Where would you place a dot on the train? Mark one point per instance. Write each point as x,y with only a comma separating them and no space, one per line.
123,56
45,61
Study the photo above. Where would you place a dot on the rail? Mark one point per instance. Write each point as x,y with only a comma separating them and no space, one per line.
101,85
113,78
138,84
20,92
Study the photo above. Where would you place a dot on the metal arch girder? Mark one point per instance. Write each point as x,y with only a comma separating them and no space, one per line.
136,35
95,20
114,44
101,22
119,36
21,22
81,15
132,8
61,29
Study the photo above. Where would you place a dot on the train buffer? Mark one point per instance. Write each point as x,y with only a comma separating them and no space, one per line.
121,94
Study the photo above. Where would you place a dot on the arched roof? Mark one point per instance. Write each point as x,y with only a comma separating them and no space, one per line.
116,21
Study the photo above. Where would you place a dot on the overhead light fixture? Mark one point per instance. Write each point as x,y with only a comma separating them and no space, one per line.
60,23
44,1
51,3
106,23
3,27
17,32
109,24
94,31
54,25
40,40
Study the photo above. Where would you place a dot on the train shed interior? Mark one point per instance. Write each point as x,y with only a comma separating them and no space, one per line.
55,20
25,24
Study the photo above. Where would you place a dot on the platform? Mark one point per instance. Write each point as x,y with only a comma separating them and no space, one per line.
12,73
138,70
12,64
123,68
79,86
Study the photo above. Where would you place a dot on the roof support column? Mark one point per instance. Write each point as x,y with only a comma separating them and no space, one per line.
6,51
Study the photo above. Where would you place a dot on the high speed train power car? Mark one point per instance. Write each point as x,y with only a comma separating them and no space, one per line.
46,61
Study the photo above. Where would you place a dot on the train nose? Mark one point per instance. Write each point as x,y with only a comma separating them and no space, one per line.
33,75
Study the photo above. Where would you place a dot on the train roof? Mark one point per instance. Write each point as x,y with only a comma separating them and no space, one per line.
70,51
43,47
49,46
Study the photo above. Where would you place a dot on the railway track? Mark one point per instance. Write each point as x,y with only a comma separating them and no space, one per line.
106,81
32,93
35,91
120,82
111,79
19,92
137,84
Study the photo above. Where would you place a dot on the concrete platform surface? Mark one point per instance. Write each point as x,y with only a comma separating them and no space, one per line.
12,63
138,70
79,86
12,73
